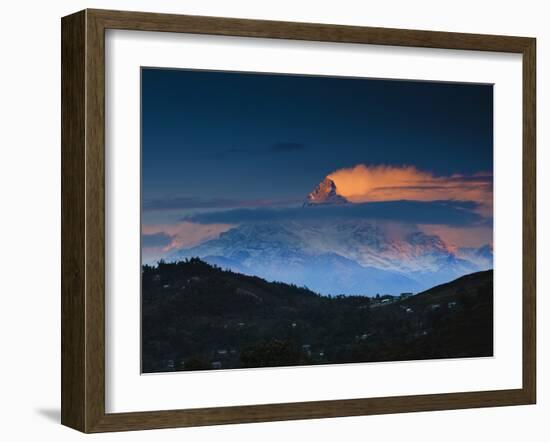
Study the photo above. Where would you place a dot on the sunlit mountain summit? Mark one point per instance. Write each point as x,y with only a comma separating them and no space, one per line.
325,193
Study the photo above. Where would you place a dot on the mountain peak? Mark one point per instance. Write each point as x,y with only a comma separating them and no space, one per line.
325,193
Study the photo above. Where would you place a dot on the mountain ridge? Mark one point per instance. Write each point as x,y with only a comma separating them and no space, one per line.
370,260
356,255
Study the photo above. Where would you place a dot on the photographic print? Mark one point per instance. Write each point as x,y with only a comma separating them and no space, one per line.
294,220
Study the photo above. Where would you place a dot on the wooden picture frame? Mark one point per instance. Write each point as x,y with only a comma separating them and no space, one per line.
83,218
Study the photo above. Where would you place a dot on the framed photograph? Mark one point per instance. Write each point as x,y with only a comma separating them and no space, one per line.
269,220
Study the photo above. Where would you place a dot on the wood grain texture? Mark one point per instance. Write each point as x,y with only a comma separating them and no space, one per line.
529,221
145,21
308,410
73,128
83,220
95,222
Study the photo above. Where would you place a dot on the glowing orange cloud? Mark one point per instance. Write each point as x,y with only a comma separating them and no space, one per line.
364,183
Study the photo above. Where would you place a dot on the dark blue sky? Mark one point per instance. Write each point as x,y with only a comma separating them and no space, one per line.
240,136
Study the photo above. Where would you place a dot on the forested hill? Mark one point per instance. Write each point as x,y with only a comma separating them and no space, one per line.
197,316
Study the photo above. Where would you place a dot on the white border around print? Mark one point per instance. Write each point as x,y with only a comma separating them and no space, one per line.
128,390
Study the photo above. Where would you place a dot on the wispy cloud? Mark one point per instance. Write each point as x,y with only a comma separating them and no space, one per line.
459,213
159,239
287,147
459,236
181,203
283,147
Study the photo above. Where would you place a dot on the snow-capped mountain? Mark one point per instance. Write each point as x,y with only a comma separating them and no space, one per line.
325,193
358,257
340,256
482,256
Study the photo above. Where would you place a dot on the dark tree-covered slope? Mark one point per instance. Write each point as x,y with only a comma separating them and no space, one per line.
196,316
